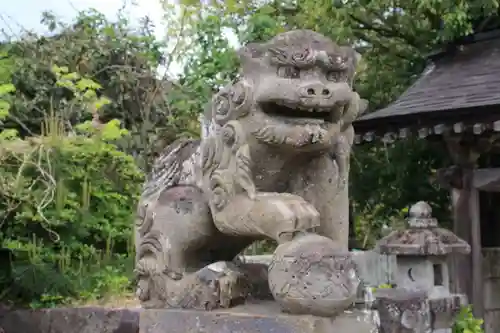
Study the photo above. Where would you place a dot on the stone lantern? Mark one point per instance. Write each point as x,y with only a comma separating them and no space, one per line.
421,253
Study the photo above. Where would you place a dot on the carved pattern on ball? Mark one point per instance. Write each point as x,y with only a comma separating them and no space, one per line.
313,276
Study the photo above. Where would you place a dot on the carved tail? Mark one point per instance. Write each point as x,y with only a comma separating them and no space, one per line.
167,172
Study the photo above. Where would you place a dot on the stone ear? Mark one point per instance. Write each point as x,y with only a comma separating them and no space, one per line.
353,54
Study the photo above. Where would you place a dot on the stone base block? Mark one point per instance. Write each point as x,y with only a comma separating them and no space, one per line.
262,317
70,320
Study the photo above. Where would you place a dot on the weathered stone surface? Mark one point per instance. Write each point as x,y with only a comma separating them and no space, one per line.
402,311
313,275
70,320
444,310
273,162
422,301
257,276
251,318
423,237
373,268
264,317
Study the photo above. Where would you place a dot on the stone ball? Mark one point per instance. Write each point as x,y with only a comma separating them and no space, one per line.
313,275
420,210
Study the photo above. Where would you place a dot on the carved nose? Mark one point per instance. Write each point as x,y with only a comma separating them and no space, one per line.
315,91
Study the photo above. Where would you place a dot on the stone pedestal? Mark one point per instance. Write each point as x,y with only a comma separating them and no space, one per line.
444,310
262,317
403,311
70,320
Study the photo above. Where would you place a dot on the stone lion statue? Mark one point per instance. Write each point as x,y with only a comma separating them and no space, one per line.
272,163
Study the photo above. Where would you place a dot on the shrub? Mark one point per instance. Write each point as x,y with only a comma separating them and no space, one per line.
67,201
67,205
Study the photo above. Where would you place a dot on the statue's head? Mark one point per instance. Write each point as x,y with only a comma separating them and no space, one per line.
297,83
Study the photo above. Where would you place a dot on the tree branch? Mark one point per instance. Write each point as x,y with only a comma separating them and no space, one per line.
385,32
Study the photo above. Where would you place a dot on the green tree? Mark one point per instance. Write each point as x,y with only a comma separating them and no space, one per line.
394,39
69,186
122,60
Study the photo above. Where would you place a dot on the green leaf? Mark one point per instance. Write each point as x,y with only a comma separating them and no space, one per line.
59,70
100,102
7,88
89,95
8,134
4,109
66,84
86,83
71,76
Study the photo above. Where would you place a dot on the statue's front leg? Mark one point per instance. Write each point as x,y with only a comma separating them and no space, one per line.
318,183
279,216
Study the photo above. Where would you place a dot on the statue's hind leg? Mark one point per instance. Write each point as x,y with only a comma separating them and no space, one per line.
182,259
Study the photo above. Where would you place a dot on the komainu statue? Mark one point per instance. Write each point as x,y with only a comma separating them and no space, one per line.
272,163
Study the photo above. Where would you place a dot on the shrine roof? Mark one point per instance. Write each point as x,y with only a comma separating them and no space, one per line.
459,84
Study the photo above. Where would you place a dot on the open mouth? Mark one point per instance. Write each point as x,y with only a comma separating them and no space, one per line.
297,113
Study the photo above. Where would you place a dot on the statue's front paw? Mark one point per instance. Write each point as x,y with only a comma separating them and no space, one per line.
307,135
292,213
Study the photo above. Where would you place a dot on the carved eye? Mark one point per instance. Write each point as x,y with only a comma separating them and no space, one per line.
336,76
289,72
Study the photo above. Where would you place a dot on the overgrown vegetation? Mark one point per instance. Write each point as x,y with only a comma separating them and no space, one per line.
67,200
83,112
68,192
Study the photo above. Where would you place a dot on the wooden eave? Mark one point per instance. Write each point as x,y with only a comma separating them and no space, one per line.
458,92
